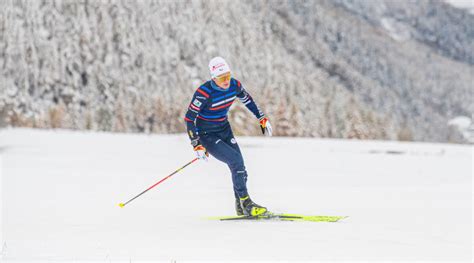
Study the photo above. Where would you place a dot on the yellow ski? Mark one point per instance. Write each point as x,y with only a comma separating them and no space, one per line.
282,217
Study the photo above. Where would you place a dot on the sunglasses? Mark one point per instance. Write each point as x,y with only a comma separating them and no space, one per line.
223,77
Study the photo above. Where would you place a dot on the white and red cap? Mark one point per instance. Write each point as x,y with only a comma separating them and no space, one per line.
218,66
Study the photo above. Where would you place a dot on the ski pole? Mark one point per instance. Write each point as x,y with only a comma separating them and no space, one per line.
149,188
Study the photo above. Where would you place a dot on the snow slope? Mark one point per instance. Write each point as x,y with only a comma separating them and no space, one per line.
406,201
463,4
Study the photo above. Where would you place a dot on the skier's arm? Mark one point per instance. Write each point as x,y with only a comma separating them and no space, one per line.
198,102
248,101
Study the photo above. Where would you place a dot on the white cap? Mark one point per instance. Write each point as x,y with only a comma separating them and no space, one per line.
218,66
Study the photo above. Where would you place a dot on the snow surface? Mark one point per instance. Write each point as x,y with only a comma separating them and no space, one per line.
406,201
396,30
463,4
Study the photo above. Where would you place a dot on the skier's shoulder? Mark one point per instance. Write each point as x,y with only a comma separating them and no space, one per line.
204,89
235,82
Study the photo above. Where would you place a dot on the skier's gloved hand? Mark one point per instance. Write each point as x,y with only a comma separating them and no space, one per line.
266,126
200,150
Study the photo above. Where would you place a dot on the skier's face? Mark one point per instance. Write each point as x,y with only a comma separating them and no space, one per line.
223,80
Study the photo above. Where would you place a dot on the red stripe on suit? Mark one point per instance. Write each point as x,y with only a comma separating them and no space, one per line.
194,107
203,93
202,118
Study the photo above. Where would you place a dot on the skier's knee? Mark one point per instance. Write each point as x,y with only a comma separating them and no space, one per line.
237,162
237,166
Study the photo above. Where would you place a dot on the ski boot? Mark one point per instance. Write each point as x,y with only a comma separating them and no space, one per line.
250,208
238,207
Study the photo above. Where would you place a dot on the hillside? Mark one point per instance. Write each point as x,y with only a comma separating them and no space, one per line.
395,70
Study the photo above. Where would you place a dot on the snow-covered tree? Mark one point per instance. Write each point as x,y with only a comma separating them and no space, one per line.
317,68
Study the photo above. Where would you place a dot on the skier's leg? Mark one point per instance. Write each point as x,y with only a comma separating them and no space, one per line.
246,204
216,145
228,137
218,148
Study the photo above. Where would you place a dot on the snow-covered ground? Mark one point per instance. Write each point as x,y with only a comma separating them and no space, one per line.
60,190
463,4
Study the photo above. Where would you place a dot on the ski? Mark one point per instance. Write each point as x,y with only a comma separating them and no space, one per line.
281,217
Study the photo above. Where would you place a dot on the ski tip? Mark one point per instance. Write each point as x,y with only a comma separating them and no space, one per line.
121,204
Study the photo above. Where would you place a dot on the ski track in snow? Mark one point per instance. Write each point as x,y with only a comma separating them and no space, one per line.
61,189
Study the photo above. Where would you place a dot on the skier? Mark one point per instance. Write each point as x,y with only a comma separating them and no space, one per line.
210,131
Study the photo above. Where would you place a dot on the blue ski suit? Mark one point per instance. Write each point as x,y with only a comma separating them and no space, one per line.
206,120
